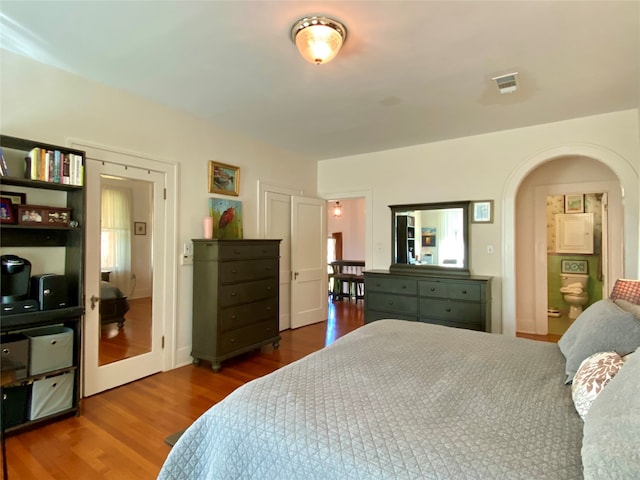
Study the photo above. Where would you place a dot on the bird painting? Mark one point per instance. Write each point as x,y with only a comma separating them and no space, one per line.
227,218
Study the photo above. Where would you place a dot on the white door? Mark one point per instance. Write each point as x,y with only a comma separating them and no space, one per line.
100,375
277,225
308,261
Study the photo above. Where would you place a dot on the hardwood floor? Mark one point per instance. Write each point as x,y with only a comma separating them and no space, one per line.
134,338
120,433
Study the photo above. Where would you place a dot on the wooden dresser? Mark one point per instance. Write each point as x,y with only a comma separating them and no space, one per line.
235,297
463,302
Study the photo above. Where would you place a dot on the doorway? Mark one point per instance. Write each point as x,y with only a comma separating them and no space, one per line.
564,174
578,269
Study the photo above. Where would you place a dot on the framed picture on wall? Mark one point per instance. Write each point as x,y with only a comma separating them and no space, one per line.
140,228
574,266
574,203
224,179
482,211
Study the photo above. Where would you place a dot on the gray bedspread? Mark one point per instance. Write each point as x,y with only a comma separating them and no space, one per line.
395,400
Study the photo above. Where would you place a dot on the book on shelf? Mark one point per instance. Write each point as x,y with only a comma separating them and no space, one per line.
3,164
54,166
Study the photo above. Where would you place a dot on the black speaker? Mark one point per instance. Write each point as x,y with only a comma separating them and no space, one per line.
50,291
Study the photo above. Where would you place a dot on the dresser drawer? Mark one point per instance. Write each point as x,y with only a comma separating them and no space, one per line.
247,292
251,313
373,315
391,303
374,283
475,325
450,289
248,250
243,270
247,336
453,311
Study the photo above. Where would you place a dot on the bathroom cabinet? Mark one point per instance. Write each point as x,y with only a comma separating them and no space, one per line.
574,233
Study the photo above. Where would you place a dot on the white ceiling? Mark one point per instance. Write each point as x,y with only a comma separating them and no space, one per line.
410,72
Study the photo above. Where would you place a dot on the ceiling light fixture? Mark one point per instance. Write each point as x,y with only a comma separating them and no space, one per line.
337,210
318,38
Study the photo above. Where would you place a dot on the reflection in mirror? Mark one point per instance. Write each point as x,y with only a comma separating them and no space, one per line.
126,271
431,237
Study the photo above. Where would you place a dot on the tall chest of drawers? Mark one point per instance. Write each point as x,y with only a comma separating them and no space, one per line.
463,302
235,298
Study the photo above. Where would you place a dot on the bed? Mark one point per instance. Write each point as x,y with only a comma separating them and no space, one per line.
398,399
113,304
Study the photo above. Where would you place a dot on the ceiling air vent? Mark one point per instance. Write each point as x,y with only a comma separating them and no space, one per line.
507,83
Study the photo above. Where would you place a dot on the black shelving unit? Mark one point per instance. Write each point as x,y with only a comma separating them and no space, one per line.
72,239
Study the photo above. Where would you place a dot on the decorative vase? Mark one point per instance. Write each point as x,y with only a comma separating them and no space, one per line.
207,224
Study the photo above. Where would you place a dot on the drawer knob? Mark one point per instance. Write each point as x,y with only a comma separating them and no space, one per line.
464,292
233,294
234,271
237,252
233,317
5,351
390,302
404,286
377,284
53,342
268,309
433,289
448,309
269,289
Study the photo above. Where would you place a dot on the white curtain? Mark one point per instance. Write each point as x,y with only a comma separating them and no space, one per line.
452,245
116,236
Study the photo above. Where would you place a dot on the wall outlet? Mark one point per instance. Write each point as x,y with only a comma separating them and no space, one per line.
186,259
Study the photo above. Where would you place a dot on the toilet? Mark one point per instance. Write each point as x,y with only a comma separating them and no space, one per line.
574,288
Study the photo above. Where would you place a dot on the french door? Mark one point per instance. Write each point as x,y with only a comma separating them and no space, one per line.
118,352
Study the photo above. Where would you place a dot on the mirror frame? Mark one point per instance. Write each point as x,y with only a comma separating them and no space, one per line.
431,269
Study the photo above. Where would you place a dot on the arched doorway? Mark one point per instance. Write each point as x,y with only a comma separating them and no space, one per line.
517,247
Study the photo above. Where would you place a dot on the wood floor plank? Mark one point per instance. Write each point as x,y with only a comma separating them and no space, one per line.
120,433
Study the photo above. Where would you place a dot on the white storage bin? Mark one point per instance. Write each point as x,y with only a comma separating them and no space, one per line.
51,395
50,348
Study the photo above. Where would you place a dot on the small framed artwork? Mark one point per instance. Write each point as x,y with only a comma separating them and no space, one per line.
7,215
15,197
140,228
574,266
482,211
574,203
31,214
224,179
227,218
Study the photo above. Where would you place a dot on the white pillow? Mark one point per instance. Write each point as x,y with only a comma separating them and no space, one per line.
592,376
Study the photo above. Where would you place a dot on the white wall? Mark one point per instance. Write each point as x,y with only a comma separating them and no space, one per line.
352,226
52,106
483,167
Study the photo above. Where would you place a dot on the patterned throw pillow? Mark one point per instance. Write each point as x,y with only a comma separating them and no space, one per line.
592,376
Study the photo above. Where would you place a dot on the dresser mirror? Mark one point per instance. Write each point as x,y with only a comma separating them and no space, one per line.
430,238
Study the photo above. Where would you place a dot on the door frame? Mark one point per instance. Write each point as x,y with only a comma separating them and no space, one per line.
169,283
614,253
368,222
